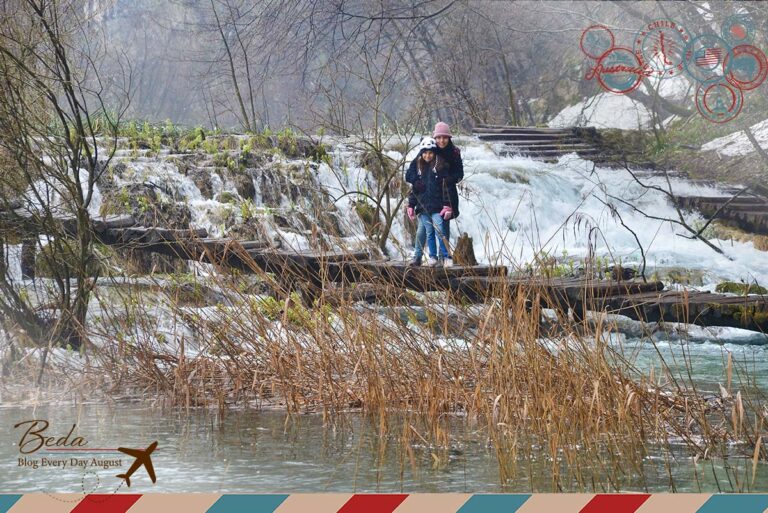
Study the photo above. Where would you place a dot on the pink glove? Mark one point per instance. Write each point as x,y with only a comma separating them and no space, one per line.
446,213
411,214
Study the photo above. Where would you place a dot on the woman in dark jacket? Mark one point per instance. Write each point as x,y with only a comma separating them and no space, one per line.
450,154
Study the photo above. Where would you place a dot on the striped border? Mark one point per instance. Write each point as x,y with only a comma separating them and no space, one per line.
384,503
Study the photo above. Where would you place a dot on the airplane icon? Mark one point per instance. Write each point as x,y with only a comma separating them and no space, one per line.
142,458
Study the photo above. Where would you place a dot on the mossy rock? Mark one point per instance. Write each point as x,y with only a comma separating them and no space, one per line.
195,294
220,159
685,276
740,288
202,179
749,314
368,215
64,259
296,147
137,262
400,147
378,165
244,185
143,203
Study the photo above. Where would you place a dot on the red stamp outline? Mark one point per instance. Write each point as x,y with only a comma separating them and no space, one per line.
581,41
640,70
659,26
762,62
703,100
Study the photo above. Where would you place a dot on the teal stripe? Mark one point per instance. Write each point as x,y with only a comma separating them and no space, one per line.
736,503
7,502
494,503
236,503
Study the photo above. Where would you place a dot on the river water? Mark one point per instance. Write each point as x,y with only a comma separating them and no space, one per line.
266,451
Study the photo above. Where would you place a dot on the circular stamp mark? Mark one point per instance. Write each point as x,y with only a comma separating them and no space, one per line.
661,45
748,69
705,58
619,71
719,101
596,40
738,30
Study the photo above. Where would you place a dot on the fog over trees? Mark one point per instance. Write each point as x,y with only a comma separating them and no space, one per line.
246,65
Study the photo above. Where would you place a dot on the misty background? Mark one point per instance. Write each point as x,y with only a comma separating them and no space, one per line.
330,63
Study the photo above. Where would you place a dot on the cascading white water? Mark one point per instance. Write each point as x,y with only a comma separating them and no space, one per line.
515,209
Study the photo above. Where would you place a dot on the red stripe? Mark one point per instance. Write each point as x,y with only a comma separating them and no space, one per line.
615,503
106,503
372,503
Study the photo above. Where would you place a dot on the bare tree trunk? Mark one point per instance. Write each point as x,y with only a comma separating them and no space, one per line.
760,150
233,73
508,82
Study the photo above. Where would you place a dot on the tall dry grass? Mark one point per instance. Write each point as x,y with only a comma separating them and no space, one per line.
558,402
562,406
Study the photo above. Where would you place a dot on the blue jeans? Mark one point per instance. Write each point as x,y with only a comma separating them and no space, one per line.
421,239
433,229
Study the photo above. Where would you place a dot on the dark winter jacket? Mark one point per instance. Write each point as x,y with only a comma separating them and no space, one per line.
430,192
452,155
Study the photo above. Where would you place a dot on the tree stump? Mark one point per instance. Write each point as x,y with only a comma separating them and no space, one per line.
464,254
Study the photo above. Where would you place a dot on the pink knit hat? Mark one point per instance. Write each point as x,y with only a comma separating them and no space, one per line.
442,129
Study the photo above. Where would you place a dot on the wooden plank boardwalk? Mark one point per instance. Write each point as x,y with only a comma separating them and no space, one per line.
310,271
748,211
544,143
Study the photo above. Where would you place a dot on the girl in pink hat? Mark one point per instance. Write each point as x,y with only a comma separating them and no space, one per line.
453,175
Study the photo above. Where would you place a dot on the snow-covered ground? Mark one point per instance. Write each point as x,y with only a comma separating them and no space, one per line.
737,143
609,110
605,110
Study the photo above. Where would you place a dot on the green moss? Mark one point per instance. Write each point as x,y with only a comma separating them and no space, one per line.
740,288
268,306
210,146
227,197
684,276
367,213
119,203
189,293
220,160
192,140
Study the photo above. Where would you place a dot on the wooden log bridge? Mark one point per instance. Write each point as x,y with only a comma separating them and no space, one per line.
311,270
